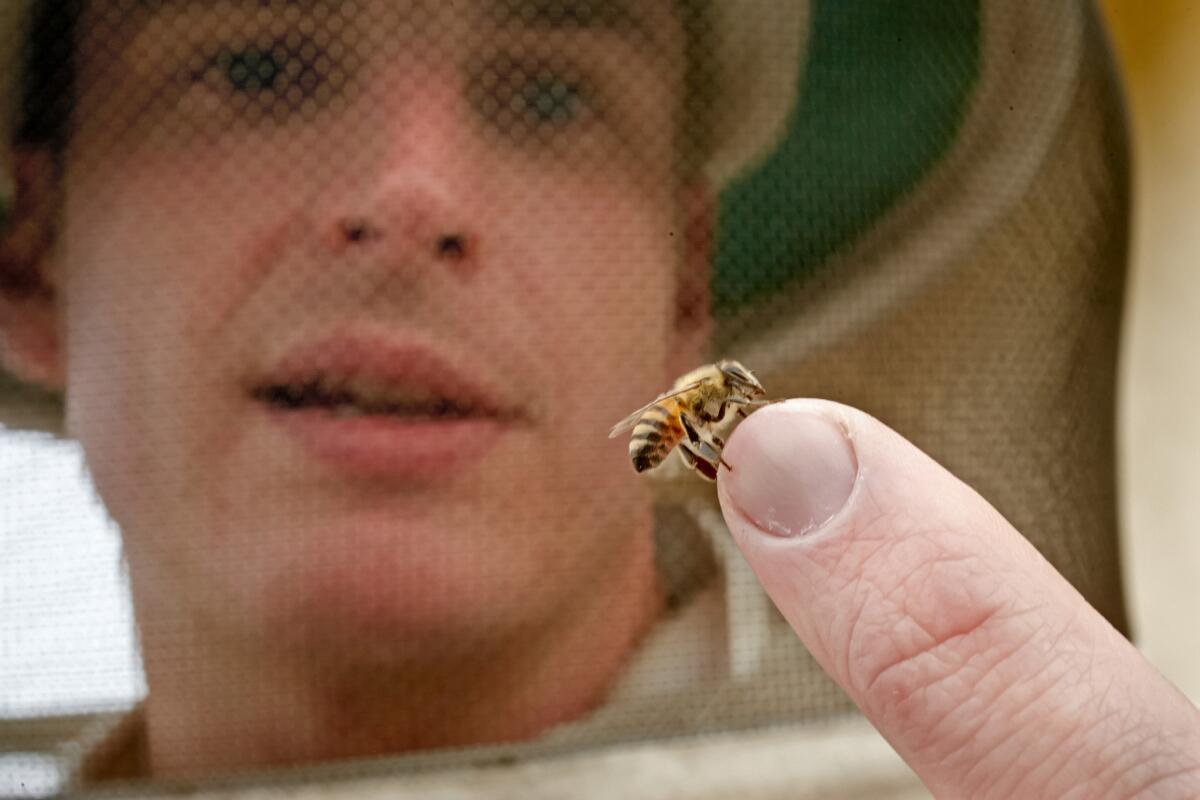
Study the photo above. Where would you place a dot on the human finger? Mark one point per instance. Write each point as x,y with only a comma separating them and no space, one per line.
985,669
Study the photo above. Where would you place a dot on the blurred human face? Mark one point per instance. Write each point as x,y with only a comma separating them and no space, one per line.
460,223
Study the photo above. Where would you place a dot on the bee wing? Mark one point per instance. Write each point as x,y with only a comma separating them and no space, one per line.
632,419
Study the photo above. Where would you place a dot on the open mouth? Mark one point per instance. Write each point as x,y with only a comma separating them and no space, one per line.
361,399
364,377
382,407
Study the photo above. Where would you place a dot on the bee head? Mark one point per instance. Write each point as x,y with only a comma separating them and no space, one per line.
741,378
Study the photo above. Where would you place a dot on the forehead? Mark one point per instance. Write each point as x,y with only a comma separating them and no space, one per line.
648,24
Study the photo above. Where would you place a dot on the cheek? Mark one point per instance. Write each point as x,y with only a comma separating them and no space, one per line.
150,254
133,381
607,304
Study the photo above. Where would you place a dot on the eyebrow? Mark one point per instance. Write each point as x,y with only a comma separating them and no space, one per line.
614,16
153,6
611,15
620,17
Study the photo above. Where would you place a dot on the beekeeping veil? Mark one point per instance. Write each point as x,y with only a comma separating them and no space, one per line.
921,211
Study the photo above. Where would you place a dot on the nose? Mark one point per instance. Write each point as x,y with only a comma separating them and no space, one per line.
413,201
351,230
410,216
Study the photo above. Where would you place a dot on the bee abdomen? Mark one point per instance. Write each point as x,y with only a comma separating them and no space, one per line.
643,462
654,436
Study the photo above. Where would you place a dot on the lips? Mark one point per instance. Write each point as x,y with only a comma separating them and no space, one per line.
374,376
371,405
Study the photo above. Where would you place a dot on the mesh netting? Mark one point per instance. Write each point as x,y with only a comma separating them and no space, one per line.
338,301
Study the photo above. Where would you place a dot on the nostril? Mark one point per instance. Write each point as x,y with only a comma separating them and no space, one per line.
355,229
451,246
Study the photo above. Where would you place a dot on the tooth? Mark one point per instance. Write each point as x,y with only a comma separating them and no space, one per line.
369,392
374,394
326,387
360,395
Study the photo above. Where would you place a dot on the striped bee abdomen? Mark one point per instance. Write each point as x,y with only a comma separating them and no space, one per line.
655,435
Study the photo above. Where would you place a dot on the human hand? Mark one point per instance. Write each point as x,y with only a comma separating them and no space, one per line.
980,664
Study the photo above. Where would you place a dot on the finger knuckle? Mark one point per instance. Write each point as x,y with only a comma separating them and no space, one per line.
925,623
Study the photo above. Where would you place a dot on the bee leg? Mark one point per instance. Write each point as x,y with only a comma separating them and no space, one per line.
689,458
694,462
701,447
746,402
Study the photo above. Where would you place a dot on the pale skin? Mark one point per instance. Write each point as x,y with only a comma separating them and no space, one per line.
981,665
287,611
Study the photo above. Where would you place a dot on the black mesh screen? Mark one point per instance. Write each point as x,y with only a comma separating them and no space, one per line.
329,307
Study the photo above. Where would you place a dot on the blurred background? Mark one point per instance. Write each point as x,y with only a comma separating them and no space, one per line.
1160,392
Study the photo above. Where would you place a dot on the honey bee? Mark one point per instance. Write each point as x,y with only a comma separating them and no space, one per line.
686,416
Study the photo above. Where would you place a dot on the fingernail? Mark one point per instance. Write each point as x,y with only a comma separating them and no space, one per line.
793,468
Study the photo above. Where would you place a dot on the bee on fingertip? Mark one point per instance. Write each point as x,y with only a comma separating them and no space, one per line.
686,417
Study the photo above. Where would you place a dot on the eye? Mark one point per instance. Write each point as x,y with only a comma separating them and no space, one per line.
546,97
519,98
276,79
250,70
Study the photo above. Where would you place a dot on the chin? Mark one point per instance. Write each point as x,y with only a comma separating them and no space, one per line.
400,597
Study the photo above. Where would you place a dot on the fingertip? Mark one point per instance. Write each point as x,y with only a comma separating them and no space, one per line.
794,467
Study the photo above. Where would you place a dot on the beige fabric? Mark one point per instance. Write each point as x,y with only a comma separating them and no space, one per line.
837,760
759,43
